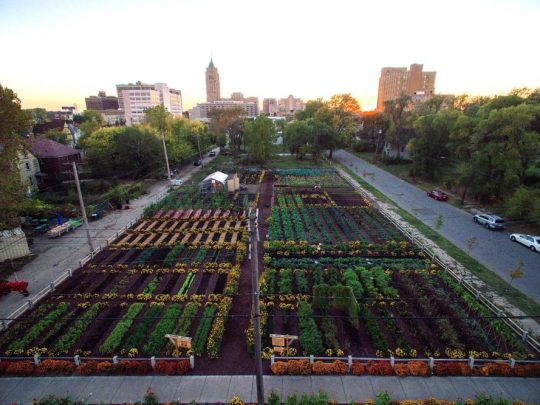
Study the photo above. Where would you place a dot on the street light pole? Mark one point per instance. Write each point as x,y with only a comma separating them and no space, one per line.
256,309
199,147
83,210
166,157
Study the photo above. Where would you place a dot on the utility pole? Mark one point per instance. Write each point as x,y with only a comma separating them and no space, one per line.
256,309
165,152
199,147
83,210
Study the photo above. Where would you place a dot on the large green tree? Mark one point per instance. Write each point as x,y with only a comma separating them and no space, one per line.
260,135
398,114
12,121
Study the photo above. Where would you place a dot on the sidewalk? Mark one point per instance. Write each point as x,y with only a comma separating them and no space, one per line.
214,389
56,256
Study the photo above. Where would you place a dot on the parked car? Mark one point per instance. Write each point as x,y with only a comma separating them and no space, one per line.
489,221
197,162
531,241
212,153
438,195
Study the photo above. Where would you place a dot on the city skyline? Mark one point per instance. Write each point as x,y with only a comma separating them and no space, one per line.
478,48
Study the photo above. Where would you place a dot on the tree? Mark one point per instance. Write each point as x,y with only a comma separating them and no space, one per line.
260,135
57,136
297,134
89,121
517,272
428,149
138,151
179,147
12,120
396,111
344,102
374,127
37,115
235,133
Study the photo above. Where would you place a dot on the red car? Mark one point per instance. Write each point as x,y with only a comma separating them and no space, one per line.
438,195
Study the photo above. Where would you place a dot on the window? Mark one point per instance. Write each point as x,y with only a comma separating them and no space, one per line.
31,180
27,166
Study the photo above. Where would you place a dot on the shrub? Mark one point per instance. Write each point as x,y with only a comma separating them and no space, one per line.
279,368
310,337
167,367
55,367
527,370
379,368
452,369
336,367
298,367
164,326
358,368
87,368
20,368
115,337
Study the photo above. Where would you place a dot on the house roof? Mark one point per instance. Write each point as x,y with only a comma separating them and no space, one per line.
217,176
47,148
47,126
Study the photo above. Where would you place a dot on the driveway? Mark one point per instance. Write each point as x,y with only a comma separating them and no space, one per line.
493,248
56,256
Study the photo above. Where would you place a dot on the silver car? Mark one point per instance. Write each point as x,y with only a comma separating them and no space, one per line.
489,221
531,241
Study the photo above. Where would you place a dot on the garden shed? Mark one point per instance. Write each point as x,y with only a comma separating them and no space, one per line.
214,182
13,244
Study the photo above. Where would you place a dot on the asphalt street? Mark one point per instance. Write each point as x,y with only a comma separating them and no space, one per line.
56,256
492,248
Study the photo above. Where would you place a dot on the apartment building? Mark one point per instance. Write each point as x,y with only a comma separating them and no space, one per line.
133,99
414,82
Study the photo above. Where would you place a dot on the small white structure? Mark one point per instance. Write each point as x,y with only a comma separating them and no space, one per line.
13,244
214,182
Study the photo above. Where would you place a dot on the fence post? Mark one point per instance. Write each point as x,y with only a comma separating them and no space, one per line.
70,272
471,362
30,304
349,362
311,359
37,360
525,335
392,362
512,363
77,360
153,362
115,360
272,359
431,363
192,361
51,286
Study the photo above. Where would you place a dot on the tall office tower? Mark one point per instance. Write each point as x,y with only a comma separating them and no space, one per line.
212,83
416,83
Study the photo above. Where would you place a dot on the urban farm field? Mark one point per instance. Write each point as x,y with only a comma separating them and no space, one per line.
334,272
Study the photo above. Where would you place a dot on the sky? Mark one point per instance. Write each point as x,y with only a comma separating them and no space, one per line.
56,52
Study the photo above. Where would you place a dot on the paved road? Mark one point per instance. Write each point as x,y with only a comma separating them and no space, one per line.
220,389
493,249
56,256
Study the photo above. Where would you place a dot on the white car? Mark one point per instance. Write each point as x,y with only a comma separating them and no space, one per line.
531,241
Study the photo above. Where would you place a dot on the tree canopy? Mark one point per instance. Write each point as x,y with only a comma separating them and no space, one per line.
260,135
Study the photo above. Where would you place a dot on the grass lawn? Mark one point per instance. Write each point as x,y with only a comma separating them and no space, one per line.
494,281
291,162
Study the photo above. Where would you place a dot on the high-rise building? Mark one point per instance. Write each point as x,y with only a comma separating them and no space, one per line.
213,92
270,106
290,105
133,99
200,111
416,83
101,102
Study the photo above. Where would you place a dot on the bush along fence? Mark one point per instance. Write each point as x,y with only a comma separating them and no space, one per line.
464,284
403,367
29,366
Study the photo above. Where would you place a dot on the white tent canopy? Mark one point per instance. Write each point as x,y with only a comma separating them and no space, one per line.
216,176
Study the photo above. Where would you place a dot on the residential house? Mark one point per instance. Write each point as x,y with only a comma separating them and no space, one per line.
28,170
54,159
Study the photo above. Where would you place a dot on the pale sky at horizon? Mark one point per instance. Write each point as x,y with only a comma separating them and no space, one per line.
57,52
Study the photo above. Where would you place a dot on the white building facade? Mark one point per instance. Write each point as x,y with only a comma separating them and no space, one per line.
134,99
200,111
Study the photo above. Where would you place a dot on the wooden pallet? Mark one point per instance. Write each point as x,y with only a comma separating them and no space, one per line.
183,227
227,225
178,214
234,237
205,225
173,239
152,225
137,239
149,239
163,225
238,225
141,226
161,239
222,237
185,238
216,226
210,237
194,226
126,238
198,238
